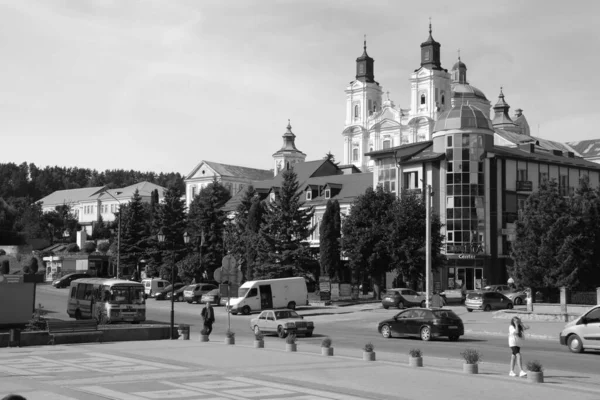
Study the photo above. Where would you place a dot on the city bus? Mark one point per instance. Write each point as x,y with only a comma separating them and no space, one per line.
107,300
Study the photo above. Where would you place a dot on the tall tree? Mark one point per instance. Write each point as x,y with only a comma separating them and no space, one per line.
235,233
365,236
283,245
135,233
172,219
252,235
329,245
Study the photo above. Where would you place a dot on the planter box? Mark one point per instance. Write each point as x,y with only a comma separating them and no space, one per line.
259,344
535,377
369,355
415,361
471,368
230,340
290,347
326,351
203,338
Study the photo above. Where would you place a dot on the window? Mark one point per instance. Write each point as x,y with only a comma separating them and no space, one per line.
370,105
563,185
450,236
355,154
309,195
386,144
443,98
522,175
272,196
387,174
449,141
410,180
426,57
193,191
593,316
543,177
327,193
422,99
356,111
375,106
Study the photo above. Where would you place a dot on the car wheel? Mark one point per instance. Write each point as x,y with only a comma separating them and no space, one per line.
234,313
246,310
180,298
281,332
469,309
256,330
574,344
425,334
423,304
401,305
386,307
518,301
77,315
509,306
453,338
292,305
189,302
386,331
487,308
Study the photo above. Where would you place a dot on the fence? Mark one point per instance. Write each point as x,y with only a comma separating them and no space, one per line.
584,298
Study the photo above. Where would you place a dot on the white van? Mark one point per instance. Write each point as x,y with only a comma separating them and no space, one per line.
269,294
154,285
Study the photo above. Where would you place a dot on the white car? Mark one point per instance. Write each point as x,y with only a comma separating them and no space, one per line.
282,322
583,333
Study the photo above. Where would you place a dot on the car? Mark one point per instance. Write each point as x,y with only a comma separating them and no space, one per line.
194,292
518,297
166,292
179,293
402,297
582,333
487,301
425,323
282,322
213,297
65,281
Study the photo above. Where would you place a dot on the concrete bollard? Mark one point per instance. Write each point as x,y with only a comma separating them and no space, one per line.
598,296
563,303
530,295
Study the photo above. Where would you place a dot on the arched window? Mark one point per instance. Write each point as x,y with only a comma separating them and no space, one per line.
356,111
354,154
422,99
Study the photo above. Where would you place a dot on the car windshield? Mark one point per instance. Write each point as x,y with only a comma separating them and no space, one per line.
444,314
126,295
213,292
287,314
474,296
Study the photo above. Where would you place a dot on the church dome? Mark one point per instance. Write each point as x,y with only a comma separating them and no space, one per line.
459,64
466,91
462,116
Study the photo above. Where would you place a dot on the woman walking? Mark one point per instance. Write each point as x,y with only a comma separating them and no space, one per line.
515,337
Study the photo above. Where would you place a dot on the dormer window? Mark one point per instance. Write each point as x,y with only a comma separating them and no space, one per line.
309,195
327,193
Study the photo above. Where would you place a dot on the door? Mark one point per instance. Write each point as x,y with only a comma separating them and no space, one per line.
266,297
399,324
411,297
252,300
590,332
270,323
415,321
470,278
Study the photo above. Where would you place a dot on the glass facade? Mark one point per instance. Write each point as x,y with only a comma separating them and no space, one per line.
386,168
465,216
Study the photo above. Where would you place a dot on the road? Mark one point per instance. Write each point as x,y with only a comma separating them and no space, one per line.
353,328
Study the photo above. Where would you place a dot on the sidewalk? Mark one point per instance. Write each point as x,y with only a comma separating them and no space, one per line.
213,370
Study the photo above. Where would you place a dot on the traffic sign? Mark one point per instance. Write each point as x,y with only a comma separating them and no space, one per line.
217,275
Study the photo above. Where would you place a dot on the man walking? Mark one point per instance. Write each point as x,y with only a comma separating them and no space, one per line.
208,314
437,301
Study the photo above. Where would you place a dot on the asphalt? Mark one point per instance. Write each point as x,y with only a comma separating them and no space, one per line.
195,370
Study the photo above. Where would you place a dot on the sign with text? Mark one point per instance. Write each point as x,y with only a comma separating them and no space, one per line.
524,186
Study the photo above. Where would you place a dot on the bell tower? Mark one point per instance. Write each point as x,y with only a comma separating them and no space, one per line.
288,155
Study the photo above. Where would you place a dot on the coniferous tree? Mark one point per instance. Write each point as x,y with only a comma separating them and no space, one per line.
135,233
171,217
283,248
255,220
329,245
235,232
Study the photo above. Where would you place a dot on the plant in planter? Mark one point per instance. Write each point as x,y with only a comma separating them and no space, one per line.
416,358
368,352
536,372
229,337
259,340
472,358
326,348
290,342
204,335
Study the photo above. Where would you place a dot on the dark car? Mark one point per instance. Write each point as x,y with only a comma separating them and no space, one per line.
487,301
66,280
401,298
179,293
166,292
423,322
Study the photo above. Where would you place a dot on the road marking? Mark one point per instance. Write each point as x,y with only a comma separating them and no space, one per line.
167,394
109,393
259,392
329,395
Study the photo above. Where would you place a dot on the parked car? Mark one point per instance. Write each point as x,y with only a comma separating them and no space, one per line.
401,298
194,292
487,301
166,292
282,322
213,297
517,297
153,286
423,322
65,281
583,333
179,293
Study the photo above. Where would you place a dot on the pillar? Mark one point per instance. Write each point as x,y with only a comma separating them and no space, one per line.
563,302
598,296
530,295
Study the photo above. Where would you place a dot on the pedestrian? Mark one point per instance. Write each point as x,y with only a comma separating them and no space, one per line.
208,314
437,301
516,334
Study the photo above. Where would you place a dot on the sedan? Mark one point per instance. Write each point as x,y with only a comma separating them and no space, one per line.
487,301
517,297
423,322
213,297
166,292
65,281
282,322
402,298
195,291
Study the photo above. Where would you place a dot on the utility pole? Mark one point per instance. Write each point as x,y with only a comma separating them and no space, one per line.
427,244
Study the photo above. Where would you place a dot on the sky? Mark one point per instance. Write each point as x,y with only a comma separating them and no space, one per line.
160,85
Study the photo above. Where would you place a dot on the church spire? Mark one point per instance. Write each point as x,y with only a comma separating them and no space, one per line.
364,66
288,155
430,52
501,118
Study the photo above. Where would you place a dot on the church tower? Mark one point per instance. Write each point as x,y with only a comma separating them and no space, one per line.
288,155
430,91
363,98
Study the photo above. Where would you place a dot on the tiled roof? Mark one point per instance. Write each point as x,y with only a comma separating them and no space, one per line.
587,148
70,196
540,155
145,189
226,170
513,137
352,186
426,155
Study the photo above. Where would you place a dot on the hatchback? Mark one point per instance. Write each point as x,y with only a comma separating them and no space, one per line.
423,322
194,292
583,333
66,280
401,298
487,301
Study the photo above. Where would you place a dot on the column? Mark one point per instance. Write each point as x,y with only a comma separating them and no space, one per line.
598,296
530,295
563,302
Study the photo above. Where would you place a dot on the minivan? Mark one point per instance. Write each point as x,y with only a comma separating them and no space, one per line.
268,294
583,333
154,285
65,281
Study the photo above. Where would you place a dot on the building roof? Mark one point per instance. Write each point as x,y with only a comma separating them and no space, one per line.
350,187
70,196
144,188
403,151
587,148
464,90
463,116
234,171
543,156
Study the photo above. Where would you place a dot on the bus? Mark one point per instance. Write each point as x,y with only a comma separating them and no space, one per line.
107,300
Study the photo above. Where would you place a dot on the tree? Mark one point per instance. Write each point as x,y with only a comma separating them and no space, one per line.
135,232
252,235
72,248
5,269
407,239
365,236
101,230
207,219
171,217
103,247
33,264
89,247
30,221
235,236
329,240
283,249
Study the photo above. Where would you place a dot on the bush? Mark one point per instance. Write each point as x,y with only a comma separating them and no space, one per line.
34,265
37,321
5,267
291,338
73,248
415,353
2,252
326,343
471,356
259,336
229,334
535,366
89,247
103,247
369,347
26,269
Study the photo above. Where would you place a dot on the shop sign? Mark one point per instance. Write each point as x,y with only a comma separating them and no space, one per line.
469,248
